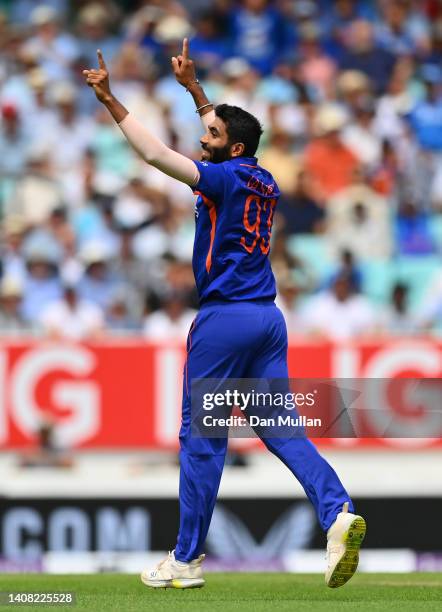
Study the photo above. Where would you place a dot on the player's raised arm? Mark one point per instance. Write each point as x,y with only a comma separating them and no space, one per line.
184,70
148,146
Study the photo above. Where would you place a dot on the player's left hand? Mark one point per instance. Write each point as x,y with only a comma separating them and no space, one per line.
183,67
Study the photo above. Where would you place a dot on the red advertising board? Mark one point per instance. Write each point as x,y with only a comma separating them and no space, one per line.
127,394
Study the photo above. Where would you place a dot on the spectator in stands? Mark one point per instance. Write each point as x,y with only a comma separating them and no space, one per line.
412,229
73,134
329,162
172,321
285,265
426,116
113,156
209,47
280,160
298,212
288,301
336,23
36,193
168,235
47,453
54,48
363,55
178,278
359,135
338,314
241,83
59,227
21,10
394,104
386,178
72,318
425,120
396,318
352,86
42,284
317,69
93,32
130,270
359,220
41,117
119,317
11,240
11,319
401,31
348,267
14,142
259,34
97,284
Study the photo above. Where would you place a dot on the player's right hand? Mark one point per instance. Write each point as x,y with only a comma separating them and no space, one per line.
99,79
183,67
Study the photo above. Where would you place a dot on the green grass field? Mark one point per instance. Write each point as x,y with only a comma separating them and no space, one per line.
231,592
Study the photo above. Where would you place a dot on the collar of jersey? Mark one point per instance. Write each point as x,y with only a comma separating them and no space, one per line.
253,161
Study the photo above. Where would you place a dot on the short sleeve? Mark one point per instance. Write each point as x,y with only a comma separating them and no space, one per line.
212,181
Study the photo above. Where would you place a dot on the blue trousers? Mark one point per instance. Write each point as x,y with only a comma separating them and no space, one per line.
240,340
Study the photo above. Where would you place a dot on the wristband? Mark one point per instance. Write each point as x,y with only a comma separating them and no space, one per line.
203,106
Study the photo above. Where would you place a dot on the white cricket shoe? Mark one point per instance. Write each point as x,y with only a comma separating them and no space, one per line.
344,538
174,574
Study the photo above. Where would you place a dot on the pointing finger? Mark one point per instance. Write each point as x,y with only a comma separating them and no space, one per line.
185,48
101,62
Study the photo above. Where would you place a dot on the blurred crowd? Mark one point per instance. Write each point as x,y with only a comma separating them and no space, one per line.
93,241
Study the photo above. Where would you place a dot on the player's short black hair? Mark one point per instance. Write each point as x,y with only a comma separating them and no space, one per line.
241,126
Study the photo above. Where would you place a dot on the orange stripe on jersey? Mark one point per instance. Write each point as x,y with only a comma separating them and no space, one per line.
212,214
248,166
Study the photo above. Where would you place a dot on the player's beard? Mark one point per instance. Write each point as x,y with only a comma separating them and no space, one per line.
216,155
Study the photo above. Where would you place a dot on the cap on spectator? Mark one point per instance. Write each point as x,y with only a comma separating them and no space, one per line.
42,15
172,28
235,67
129,214
41,246
9,111
38,152
93,14
37,79
108,183
352,80
10,287
13,225
329,118
94,251
309,31
40,254
304,9
149,14
63,93
29,56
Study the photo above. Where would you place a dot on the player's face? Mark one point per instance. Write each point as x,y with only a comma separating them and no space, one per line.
215,143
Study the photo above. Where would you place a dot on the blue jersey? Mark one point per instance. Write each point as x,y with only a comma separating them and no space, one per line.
234,215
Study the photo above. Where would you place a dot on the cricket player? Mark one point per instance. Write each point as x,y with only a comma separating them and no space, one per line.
238,332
